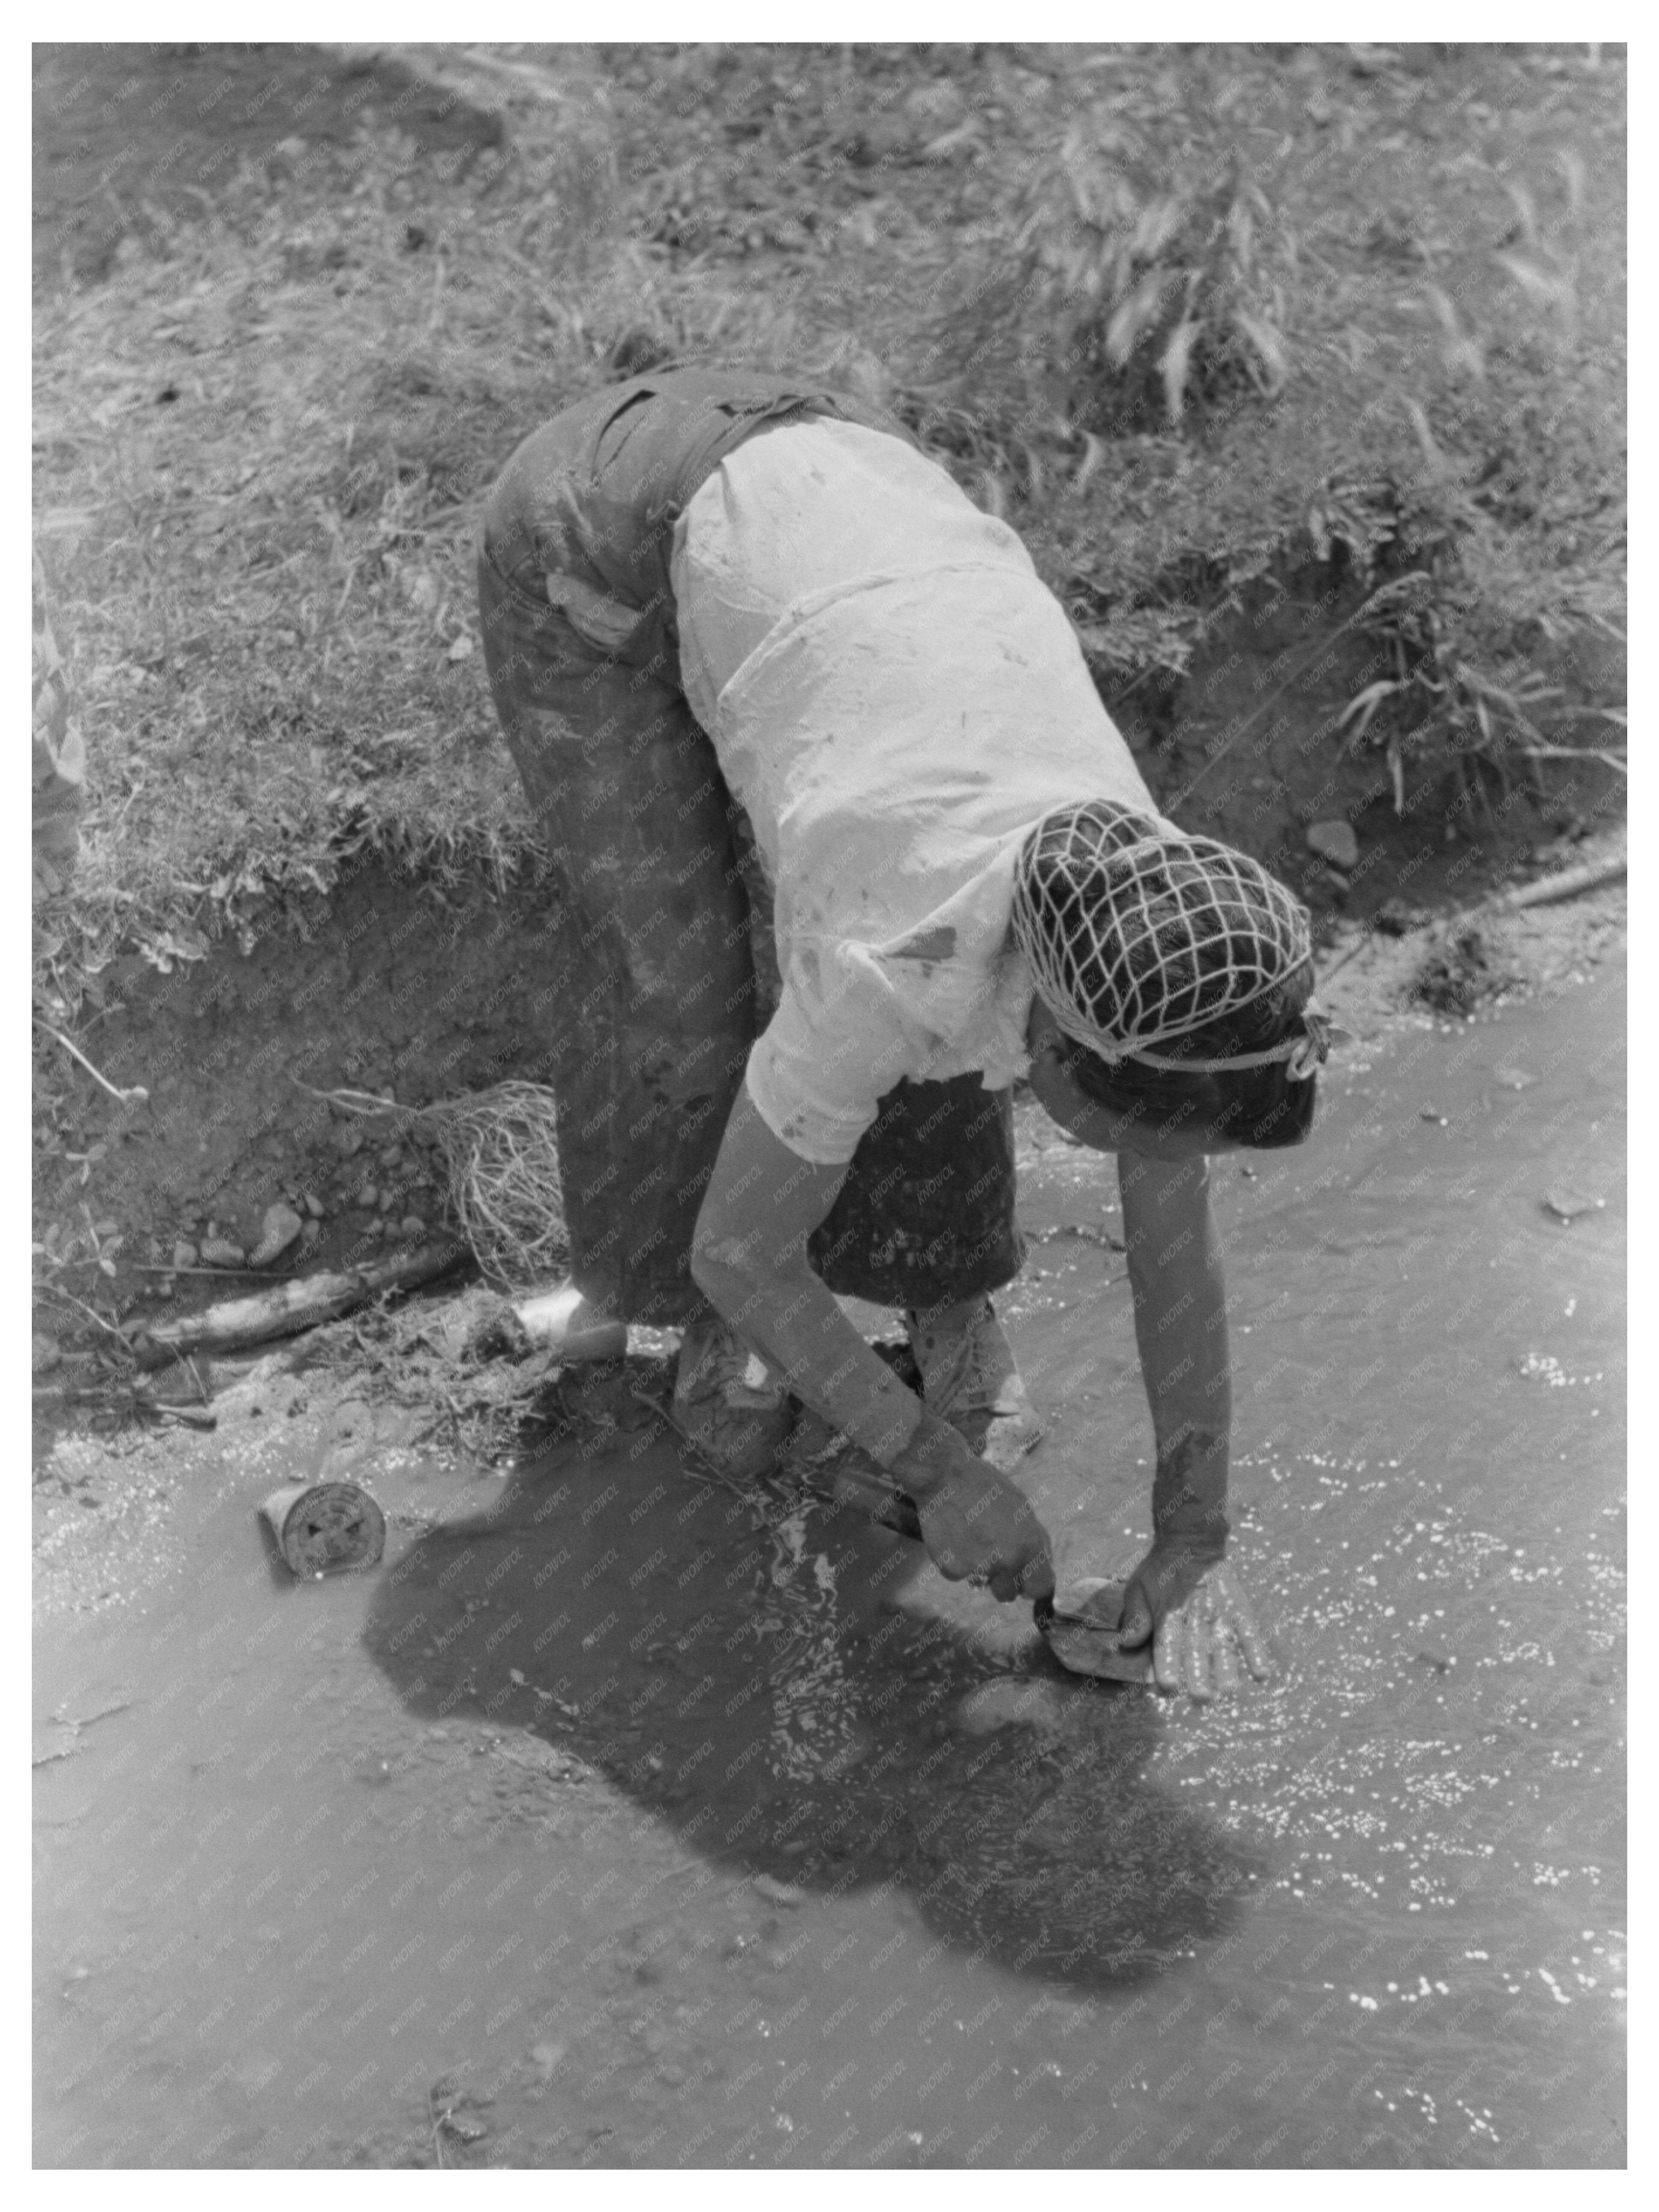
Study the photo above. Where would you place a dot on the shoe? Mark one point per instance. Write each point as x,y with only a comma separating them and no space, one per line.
728,1402
969,1378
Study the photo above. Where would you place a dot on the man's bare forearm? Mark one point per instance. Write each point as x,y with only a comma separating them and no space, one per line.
1180,1329
799,1326
749,1260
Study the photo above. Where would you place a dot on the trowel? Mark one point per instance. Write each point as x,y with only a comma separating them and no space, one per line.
1079,1627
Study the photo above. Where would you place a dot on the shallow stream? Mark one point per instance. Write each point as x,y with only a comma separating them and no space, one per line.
612,1823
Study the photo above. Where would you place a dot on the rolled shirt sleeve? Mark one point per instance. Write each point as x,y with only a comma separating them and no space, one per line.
818,1071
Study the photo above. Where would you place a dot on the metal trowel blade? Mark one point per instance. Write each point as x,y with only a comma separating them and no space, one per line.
1081,1630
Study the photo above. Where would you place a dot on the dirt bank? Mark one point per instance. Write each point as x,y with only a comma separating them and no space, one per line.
298,303
390,990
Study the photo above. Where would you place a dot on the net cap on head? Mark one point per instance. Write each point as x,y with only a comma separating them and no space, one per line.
1137,934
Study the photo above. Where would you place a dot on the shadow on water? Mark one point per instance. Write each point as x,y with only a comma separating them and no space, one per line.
766,1684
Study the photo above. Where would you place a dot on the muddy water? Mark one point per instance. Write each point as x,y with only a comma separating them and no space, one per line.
613,1824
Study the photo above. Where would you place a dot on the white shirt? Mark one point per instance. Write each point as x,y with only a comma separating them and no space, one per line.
896,698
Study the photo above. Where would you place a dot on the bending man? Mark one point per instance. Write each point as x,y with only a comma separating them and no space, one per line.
846,843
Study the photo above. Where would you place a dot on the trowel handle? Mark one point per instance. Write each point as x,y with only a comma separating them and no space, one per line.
899,1513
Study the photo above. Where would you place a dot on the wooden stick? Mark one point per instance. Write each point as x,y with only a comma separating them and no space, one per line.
1567,884
300,1303
223,1274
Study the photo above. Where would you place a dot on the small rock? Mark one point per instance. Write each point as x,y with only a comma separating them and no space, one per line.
412,1225
461,649
780,1892
1568,1205
184,1253
368,1198
220,1252
314,1206
311,1233
1334,841
281,1225
44,1355
388,1199
350,1139
392,1157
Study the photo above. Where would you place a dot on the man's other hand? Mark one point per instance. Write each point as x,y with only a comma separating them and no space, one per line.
1198,1619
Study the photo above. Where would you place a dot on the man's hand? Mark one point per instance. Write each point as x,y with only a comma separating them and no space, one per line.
976,1525
1194,1613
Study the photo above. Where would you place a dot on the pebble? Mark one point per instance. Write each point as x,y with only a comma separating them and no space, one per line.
220,1252
1334,841
388,1199
314,1206
184,1253
412,1225
281,1225
780,1892
1568,1205
44,1355
368,1198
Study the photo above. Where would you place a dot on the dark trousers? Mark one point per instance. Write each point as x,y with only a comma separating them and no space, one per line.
662,966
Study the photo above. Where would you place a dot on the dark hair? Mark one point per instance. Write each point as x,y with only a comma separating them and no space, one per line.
1259,1107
